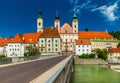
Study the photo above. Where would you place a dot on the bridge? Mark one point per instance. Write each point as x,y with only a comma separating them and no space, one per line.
50,70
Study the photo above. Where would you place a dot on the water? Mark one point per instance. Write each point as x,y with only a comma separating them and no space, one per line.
94,74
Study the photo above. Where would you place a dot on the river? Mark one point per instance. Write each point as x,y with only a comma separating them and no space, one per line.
94,74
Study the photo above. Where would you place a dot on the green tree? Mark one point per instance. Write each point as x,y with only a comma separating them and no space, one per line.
115,34
2,56
86,29
118,45
102,53
31,50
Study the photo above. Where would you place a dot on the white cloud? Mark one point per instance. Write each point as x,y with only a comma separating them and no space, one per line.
108,11
77,6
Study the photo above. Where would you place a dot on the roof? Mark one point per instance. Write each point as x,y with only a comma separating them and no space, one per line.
17,39
66,28
83,42
26,38
31,36
91,35
114,50
4,41
50,32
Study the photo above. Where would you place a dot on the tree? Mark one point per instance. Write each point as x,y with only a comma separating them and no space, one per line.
115,34
86,29
102,53
31,50
118,45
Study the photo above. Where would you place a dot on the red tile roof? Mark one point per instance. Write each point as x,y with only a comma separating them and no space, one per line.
114,50
91,35
50,32
17,39
83,42
25,38
4,41
33,36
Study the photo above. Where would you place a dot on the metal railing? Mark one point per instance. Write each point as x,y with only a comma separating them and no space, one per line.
7,60
56,74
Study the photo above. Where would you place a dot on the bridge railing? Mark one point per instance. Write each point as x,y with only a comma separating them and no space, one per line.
7,60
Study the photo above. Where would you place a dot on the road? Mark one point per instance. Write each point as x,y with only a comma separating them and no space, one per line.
24,73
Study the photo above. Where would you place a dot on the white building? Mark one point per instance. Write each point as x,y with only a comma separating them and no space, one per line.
50,41
15,47
82,46
114,55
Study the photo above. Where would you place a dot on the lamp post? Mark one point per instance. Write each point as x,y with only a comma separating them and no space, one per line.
66,47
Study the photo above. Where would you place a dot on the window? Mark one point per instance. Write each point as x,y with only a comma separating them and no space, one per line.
15,45
87,50
13,49
56,25
41,49
55,40
10,49
65,31
75,26
56,49
79,45
83,49
39,23
66,40
48,40
75,31
48,45
71,40
71,45
41,40
41,45
18,45
83,46
18,49
79,49
49,49
56,45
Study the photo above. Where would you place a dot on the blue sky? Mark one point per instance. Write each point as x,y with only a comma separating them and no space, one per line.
19,16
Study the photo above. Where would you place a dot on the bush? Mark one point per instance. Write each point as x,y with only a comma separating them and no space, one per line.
91,55
2,56
86,56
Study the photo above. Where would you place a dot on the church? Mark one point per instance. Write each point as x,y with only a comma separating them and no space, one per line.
70,36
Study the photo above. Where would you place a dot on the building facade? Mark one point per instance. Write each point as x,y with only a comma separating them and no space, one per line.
50,41
99,40
67,33
114,55
82,46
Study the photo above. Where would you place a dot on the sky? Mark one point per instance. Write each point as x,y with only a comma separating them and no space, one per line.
20,16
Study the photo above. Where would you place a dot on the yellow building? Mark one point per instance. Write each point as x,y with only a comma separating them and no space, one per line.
99,40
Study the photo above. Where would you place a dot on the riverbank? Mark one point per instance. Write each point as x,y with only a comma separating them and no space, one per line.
90,61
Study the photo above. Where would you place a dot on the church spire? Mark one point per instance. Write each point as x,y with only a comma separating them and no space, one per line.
56,17
74,16
39,14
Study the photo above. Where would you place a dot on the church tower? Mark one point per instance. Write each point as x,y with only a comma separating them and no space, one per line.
39,22
75,24
57,21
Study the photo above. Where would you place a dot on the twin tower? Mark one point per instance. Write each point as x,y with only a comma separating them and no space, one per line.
56,22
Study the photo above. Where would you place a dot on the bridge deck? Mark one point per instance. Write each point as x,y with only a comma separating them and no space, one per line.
24,73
